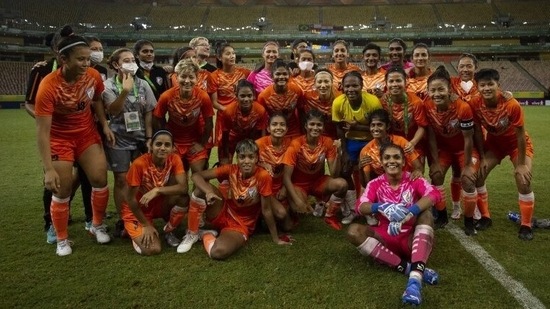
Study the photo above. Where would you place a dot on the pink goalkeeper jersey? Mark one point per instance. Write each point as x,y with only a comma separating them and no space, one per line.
409,191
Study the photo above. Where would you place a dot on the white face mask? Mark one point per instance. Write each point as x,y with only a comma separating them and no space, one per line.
146,65
96,56
131,68
305,65
466,86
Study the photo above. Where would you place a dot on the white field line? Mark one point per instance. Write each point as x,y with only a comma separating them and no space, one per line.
514,287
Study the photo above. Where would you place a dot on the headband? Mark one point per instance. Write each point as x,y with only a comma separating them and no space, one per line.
72,45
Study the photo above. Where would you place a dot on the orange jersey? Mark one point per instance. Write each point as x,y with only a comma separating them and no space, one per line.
448,125
274,157
465,96
308,163
372,150
224,84
286,103
371,82
244,195
202,79
405,122
69,105
242,126
311,101
338,74
418,84
184,114
305,83
500,121
143,173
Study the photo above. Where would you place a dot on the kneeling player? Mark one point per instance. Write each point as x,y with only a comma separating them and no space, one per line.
157,188
402,206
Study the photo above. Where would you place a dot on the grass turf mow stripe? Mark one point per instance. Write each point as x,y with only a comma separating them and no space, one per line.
514,287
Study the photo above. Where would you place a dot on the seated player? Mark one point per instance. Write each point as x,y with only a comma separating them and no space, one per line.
304,171
272,150
235,217
157,188
404,238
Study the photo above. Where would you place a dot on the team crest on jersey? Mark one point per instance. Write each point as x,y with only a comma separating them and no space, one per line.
159,81
407,197
322,158
453,123
503,122
252,192
90,92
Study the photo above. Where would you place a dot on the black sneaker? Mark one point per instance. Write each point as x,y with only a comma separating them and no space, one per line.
441,220
484,223
469,226
525,233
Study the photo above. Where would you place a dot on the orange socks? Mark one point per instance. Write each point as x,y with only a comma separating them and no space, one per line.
526,208
100,199
176,216
483,201
442,204
196,209
469,201
59,211
456,189
208,240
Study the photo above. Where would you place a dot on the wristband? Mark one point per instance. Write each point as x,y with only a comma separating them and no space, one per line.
415,210
374,207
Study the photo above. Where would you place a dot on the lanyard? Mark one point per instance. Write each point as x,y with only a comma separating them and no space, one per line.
54,65
119,87
150,82
406,119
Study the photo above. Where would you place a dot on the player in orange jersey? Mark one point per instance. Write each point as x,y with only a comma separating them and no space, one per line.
407,116
304,171
222,82
369,158
374,77
244,119
506,136
306,64
418,76
451,141
183,53
340,55
66,132
320,97
234,216
272,150
184,104
283,96
157,188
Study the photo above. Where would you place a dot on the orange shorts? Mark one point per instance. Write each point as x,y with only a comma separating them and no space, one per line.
71,150
315,188
226,221
510,148
447,159
131,223
189,158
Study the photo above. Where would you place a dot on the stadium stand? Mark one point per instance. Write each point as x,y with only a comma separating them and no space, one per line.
231,16
511,78
282,19
409,15
13,77
526,11
540,70
470,15
347,15
112,13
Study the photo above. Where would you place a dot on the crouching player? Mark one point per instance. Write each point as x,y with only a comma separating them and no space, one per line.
157,188
403,239
250,190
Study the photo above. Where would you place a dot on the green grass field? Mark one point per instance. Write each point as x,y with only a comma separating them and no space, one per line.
321,270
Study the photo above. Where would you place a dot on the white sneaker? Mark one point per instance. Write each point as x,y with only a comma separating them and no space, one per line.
349,218
203,232
457,211
371,220
64,247
187,242
319,209
100,233
477,214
